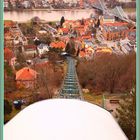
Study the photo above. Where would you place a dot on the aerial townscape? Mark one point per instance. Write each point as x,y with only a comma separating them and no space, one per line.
74,49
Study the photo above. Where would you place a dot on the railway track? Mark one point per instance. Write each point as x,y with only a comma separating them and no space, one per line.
71,88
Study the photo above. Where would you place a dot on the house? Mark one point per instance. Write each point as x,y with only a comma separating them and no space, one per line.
58,45
26,78
8,37
9,56
14,4
45,4
70,1
107,19
20,39
86,37
132,45
124,0
81,3
15,31
86,50
82,54
8,23
30,50
126,46
80,30
6,4
132,35
114,31
63,31
68,24
88,43
26,4
103,50
42,49
87,53
42,32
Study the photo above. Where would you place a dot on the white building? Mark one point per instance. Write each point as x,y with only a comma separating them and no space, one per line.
6,4
20,39
108,18
70,1
26,4
42,49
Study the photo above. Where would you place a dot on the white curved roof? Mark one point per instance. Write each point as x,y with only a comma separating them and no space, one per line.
63,119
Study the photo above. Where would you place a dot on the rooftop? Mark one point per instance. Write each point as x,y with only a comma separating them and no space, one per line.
26,74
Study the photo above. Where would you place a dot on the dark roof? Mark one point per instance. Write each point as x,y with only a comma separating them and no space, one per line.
108,16
41,46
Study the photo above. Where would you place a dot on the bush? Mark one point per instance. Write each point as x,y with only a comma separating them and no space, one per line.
7,107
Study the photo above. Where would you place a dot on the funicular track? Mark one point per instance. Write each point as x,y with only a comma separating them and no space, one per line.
71,88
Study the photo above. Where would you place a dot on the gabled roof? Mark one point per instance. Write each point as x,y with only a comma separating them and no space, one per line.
86,36
58,44
26,74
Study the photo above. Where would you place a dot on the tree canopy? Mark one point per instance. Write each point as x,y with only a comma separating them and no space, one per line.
127,116
62,21
108,73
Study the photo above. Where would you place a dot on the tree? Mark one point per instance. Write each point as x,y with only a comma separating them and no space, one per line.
62,21
108,72
43,82
45,38
53,57
126,114
9,79
82,22
7,107
21,61
70,47
48,79
98,23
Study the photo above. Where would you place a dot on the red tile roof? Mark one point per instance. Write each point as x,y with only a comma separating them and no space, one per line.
116,24
82,54
65,30
57,44
8,23
86,37
26,74
8,54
